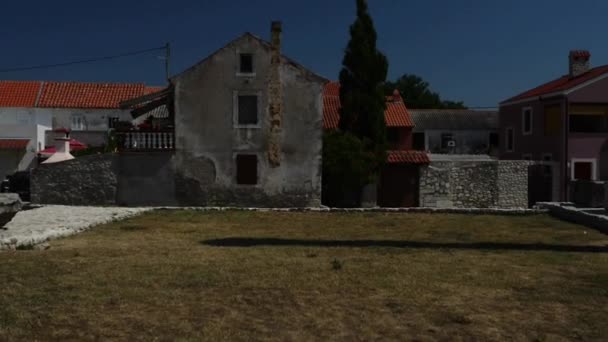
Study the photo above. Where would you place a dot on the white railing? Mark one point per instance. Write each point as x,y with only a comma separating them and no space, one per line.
146,141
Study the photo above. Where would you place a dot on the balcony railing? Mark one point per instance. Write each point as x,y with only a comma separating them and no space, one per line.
146,140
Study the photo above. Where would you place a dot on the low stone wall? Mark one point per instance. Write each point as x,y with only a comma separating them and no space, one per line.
9,203
590,194
90,180
474,184
568,212
147,179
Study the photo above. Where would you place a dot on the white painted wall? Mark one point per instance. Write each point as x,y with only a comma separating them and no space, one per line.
22,123
93,119
467,141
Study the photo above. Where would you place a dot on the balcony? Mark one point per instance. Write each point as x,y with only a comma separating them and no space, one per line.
145,140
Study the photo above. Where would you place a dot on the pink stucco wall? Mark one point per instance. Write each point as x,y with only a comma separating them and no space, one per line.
585,146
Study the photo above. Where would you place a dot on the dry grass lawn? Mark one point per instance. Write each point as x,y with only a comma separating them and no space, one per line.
185,275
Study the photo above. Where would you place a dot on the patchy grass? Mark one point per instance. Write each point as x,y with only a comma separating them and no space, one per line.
185,275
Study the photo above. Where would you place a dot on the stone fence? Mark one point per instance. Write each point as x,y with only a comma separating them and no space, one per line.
143,179
589,194
475,184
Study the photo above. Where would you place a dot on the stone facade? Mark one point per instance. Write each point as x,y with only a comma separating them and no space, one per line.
285,137
474,184
147,179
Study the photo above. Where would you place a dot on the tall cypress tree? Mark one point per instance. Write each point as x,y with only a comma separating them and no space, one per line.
362,79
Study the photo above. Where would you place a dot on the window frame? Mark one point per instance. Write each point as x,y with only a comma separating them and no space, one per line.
235,108
83,123
523,120
507,129
112,121
446,134
593,162
239,73
236,156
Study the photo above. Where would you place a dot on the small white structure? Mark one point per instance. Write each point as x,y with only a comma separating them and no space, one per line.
62,145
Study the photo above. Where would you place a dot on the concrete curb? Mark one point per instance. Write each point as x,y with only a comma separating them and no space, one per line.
567,212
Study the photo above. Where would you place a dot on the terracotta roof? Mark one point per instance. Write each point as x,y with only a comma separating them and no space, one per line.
408,157
561,84
395,115
13,144
19,93
151,90
88,95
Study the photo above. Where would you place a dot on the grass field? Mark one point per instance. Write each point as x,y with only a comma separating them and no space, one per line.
185,275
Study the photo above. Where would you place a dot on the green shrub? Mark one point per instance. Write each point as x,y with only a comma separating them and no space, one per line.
348,165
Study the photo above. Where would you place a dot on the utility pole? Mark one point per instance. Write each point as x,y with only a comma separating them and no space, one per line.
167,57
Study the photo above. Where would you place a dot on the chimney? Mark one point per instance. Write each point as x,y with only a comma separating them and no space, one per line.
275,32
62,147
579,62
275,94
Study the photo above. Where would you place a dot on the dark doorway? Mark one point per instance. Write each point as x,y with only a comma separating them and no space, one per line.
398,186
583,170
540,184
418,141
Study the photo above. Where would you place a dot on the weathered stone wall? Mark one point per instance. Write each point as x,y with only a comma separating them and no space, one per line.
149,179
512,179
474,184
88,180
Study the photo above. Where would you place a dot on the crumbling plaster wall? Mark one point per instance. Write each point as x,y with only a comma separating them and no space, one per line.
207,132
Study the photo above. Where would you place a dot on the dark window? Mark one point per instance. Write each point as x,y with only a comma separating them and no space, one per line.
445,140
493,139
527,157
548,157
509,139
418,141
248,110
112,120
246,64
587,123
527,124
247,169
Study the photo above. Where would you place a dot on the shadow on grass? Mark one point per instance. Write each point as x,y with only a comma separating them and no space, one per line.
491,246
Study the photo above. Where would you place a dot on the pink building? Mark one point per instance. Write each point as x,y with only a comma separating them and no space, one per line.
564,120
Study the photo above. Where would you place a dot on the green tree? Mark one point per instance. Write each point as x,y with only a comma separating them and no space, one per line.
417,94
362,78
345,169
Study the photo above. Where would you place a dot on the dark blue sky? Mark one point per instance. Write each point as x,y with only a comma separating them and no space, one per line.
477,51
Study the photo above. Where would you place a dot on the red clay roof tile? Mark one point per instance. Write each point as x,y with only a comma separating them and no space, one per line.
395,115
561,84
88,95
408,157
19,93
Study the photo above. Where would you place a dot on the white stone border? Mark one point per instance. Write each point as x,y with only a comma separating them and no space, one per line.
468,211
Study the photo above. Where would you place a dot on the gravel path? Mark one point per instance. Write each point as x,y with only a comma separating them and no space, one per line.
35,226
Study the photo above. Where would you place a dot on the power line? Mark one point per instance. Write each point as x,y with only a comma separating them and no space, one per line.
83,61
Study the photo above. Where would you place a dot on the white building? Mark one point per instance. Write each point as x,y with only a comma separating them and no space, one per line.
29,110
